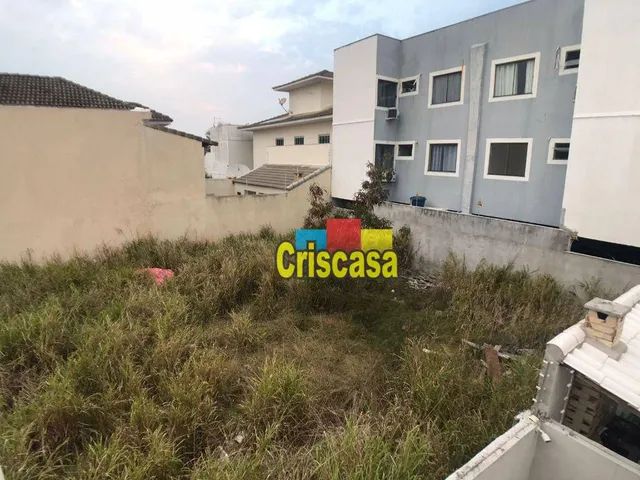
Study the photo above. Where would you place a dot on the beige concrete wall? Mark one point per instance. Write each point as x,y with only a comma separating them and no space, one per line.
220,187
263,140
315,154
311,98
71,178
227,215
74,179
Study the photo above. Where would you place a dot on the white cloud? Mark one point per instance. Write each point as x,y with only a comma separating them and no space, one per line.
196,59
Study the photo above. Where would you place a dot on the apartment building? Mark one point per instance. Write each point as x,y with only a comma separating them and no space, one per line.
476,116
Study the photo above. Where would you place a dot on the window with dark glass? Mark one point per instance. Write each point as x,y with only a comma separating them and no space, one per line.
446,88
298,140
387,93
572,59
384,156
279,142
409,86
443,157
508,159
405,150
324,138
560,151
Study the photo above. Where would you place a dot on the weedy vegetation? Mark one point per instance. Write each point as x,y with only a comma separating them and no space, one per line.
227,371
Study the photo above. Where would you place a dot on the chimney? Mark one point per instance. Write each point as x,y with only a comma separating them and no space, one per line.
603,326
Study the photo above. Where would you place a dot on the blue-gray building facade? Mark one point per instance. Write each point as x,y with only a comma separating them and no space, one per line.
500,87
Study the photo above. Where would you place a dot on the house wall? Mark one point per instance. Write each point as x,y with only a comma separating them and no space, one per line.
311,153
603,171
235,148
311,98
354,96
436,233
75,179
505,33
220,187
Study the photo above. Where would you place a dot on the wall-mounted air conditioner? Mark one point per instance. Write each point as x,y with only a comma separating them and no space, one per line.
392,114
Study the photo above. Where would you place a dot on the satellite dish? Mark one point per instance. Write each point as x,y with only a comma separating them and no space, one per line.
281,102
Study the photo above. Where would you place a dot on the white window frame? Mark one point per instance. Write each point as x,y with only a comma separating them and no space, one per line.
389,79
527,167
563,58
298,144
442,174
552,144
276,142
406,79
432,75
534,87
397,150
323,135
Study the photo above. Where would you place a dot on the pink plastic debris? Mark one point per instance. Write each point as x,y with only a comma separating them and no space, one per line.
159,275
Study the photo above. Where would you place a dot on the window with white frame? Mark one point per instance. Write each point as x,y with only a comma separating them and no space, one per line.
404,150
324,138
508,159
385,156
446,87
569,59
387,93
279,142
443,157
558,151
515,77
298,140
409,86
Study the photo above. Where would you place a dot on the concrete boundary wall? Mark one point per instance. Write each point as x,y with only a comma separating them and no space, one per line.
437,233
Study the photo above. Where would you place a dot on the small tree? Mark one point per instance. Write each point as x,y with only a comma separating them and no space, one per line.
371,193
319,210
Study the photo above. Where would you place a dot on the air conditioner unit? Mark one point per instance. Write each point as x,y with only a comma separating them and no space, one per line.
392,114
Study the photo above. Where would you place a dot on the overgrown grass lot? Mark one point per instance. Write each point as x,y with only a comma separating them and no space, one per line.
229,372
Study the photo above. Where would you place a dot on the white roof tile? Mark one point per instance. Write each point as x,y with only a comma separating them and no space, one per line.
620,377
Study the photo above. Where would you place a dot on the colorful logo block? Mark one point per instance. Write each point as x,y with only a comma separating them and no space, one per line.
376,239
304,236
343,234
343,250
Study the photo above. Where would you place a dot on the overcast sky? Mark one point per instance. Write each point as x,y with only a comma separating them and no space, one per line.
197,60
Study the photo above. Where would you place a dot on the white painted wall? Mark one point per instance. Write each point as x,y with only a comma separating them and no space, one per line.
601,194
354,94
234,154
311,153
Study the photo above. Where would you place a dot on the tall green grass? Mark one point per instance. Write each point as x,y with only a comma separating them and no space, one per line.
229,372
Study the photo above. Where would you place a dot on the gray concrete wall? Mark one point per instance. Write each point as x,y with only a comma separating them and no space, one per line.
437,233
539,26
